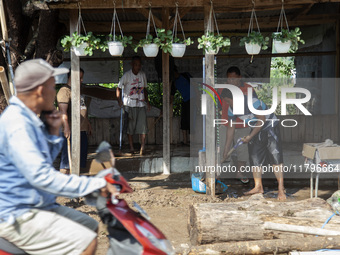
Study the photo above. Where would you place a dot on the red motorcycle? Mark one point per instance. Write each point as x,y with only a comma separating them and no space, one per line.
130,231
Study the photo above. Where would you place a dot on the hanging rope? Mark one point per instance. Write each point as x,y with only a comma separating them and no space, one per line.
177,19
113,25
282,16
80,22
149,21
252,17
212,20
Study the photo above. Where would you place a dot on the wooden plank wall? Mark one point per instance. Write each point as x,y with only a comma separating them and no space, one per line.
311,129
314,129
108,130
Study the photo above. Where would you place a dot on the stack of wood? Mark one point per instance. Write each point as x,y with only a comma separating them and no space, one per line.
259,226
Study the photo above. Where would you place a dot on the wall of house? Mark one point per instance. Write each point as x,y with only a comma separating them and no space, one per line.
318,39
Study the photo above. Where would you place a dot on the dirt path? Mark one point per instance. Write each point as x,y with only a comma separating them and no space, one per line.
166,200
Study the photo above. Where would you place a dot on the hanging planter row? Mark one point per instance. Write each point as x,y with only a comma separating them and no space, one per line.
169,41
283,39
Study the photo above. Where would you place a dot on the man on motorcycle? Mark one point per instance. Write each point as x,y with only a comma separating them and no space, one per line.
30,218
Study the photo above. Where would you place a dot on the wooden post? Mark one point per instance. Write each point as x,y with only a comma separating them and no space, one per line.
166,100
75,99
6,40
337,75
210,130
3,22
4,84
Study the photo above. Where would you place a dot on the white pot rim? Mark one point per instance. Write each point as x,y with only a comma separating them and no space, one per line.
115,43
150,45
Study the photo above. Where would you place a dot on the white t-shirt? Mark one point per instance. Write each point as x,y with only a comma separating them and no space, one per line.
133,88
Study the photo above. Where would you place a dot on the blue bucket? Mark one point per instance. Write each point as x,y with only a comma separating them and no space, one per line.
197,184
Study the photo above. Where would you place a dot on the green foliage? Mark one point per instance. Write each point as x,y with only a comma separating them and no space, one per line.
76,40
281,75
165,39
147,40
292,35
211,42
187,41
282,67
125,40
255,37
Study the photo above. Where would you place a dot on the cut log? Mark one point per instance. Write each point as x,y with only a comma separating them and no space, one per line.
244,221
275,246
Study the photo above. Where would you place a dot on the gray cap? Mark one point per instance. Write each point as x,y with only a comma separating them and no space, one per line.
33,73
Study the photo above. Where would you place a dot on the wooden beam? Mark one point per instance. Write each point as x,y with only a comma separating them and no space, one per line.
240,4
182,12
303,12
166,100
75,99
145,13
221,55
223,24
210,130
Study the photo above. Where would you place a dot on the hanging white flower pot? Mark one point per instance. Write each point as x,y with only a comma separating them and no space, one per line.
80,50
116,48
253,49
150,50
212,52
178,50
282,47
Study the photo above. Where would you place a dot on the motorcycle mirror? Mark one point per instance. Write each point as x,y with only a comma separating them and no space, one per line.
103,152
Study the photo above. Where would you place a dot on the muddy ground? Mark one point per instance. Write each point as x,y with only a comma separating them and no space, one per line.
167,198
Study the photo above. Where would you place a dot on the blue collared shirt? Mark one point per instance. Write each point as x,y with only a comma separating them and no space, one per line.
27,177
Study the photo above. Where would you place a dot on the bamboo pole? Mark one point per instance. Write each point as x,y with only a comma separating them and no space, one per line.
300,229
3,22
4,84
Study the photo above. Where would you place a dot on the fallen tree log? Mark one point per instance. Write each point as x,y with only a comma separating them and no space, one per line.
244,221
275,246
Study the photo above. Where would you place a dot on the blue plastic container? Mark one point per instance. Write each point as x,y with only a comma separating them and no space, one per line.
197,184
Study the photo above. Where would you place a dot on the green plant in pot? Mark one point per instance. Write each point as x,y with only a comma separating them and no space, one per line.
82,44
165,39
117,44
150,45
287,40
212,43
179,46
254,42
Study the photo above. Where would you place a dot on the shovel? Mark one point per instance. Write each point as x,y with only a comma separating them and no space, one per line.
120,153
238,143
